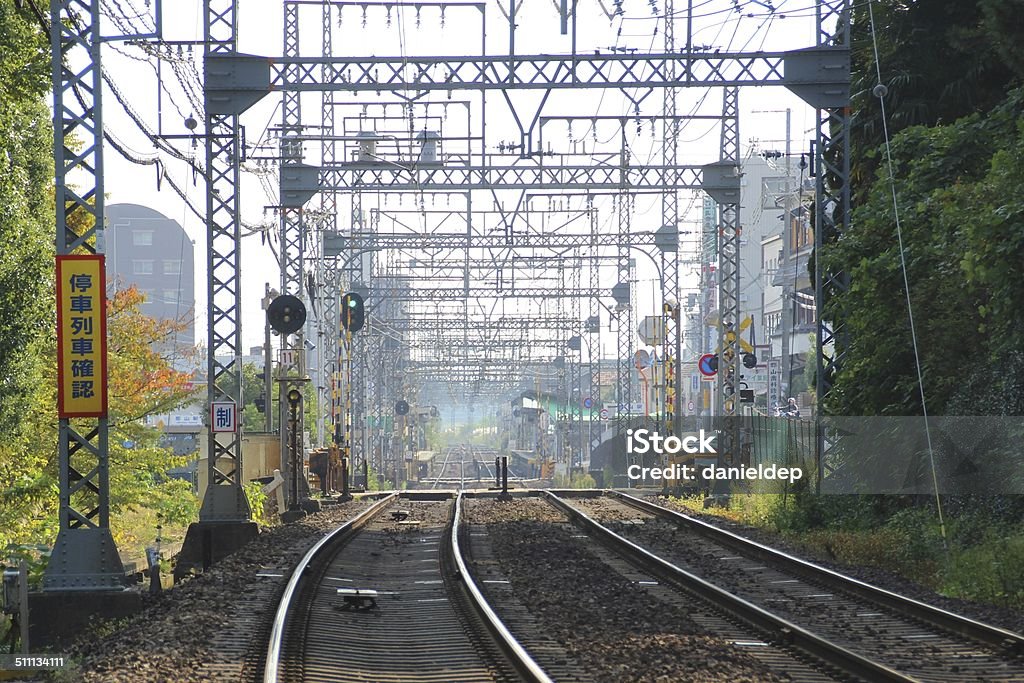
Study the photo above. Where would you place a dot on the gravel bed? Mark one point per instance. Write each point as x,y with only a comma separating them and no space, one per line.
883,578
178,635
891,639
615,628
606,510
494,511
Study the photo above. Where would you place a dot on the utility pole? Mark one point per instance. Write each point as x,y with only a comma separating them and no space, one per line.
787,251
268,366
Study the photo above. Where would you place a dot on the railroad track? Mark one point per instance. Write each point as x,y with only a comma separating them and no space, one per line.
387,597
486,457
864,631
444,465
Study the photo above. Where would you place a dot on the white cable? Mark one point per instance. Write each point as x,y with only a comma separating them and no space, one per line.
880,92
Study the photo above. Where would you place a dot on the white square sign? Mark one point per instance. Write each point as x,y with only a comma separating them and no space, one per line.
224,416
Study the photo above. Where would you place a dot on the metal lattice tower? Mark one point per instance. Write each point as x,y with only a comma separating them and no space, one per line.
224,500
672,408
729,284
357,384
593,328
84,555
831,215
624,312
292,251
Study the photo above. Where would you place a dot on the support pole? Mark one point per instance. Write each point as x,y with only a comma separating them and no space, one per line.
84,557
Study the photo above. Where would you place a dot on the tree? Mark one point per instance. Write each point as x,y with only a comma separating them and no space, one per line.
952,127
26,217
963,234
142,382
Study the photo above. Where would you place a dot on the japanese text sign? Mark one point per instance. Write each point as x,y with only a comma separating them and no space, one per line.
81,336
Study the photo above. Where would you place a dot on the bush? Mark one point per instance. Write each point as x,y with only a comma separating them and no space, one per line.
257,501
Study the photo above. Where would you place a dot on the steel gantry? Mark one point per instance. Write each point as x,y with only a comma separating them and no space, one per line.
818,74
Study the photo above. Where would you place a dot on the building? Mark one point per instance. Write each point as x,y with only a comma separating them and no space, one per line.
789,310
153,252
146,249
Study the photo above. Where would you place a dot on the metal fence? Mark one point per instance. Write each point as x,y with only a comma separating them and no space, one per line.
783,441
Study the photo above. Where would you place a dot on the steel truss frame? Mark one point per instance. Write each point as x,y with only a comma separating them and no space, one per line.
292,259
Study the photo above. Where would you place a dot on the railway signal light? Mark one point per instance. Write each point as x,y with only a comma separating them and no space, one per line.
352,313
286,314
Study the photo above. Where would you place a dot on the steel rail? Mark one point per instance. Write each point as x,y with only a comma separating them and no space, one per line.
935,616
781,630
271,666
437,479
516,654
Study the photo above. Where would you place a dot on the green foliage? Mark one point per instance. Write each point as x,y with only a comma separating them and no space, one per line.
577,480
990,571
979,44
252,419
257,501
963,235
36,558
176,504
26,274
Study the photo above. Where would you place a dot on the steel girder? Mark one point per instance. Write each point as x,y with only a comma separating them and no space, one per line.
434,324
452,177
250,77
539,72
423,242
384,293
84,555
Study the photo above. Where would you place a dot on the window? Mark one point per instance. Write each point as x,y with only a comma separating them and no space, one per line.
170,296
142,267
142,238
172,267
